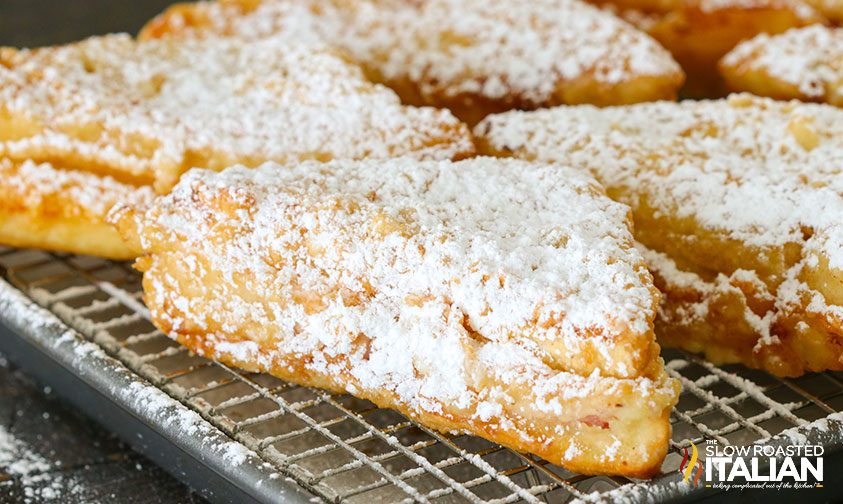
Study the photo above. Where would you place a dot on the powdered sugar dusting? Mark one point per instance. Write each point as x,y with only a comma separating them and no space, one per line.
22,310
447,286
171,413
719,162
751,169
450,47
710,291
39,477
142,396
810,59
635,493
827,431
39,184
558,250
149,110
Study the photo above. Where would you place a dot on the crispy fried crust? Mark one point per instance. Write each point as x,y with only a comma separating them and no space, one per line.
637,426
458,54
370,279
719,318
739,202
44,207
831,9
146,112
698,33
804,64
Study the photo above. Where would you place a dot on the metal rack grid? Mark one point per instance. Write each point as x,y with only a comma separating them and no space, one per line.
344,449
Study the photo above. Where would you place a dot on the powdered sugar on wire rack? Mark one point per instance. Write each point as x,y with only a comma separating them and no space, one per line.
345,449
37,475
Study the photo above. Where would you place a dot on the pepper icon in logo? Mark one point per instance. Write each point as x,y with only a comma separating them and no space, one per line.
689,463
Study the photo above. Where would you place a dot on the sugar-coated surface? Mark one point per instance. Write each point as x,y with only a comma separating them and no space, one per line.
40,183
767,173
758,170
142,105
411,254
145,398
436,288
811,59
492,48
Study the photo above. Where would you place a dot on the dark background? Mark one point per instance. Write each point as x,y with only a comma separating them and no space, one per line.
86,463
29,23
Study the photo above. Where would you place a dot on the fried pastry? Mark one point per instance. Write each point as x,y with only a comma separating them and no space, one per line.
738,204
496,297
831,9
45,207
804,64
474,57
698,33
146,112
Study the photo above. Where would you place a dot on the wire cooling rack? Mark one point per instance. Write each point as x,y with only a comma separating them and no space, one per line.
342,449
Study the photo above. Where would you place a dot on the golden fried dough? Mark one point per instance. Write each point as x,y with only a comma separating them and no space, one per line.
474,57
146,112
45,207
738,204
831,9
700,32
497,297
804,64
